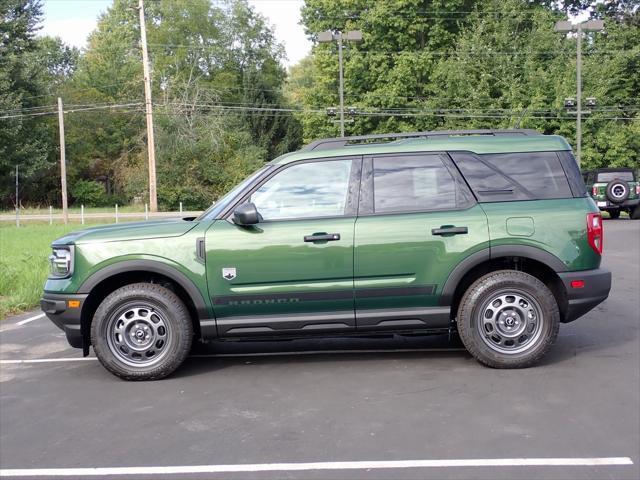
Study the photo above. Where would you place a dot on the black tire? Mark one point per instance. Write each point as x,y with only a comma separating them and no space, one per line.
141,331
475,327
614,214
617,190
634,214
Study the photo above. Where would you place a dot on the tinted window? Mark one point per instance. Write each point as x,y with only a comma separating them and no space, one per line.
514,176
608,176
412,183
317,189
222,203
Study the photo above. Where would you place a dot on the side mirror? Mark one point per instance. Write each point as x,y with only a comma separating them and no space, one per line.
246,214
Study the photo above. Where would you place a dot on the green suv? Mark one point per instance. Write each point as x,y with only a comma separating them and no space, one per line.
614,190
489,233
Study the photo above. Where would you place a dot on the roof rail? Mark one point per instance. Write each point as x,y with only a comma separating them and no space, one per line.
328,143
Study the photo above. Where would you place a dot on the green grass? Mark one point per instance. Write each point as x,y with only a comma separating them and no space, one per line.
24,264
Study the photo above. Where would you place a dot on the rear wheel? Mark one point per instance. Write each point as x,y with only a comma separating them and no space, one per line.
141,331
508,319
614,214
634,214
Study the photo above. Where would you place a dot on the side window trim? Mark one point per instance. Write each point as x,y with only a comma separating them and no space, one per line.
353,188
366,203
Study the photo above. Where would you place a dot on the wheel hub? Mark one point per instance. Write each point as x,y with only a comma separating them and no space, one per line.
138,335
510,322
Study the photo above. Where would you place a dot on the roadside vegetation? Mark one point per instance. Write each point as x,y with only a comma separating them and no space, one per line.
24,263
224,102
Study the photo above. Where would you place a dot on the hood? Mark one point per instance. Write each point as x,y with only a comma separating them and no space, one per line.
118,232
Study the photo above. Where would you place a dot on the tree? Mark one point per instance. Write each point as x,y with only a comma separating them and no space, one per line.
216,70
17,92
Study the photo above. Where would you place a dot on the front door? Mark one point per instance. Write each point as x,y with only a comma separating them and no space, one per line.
417,221
293,271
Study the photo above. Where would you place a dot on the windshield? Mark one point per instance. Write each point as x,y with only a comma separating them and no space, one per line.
608,176
220,205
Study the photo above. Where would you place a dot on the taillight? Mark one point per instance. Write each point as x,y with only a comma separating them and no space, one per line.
594,191
595,232
638,189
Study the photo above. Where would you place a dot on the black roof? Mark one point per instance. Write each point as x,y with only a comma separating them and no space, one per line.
338,142
611,169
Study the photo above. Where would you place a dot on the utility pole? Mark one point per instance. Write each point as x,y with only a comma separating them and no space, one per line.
153,198
567,27
329,36
17,199
63,163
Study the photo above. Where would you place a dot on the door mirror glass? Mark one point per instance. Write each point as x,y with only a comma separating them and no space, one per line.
246,214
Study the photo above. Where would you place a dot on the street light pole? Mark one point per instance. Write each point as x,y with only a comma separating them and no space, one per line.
341,86
579,94
566,27
329,36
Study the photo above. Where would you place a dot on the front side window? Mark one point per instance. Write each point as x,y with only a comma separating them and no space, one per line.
412,183
308,190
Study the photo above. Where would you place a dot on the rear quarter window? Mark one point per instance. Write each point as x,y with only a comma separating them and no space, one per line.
514,176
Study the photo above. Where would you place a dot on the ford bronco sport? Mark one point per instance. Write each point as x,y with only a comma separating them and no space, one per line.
490,233
615,190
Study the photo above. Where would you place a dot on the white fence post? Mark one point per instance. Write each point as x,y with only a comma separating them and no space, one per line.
50,215
146,211
116,213
82,214
180,207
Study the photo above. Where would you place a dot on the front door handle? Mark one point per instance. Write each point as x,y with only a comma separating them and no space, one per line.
444,230
322,237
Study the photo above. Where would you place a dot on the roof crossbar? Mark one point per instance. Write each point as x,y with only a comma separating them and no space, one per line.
328,143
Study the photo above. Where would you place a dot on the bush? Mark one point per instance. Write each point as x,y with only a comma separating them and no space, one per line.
89,193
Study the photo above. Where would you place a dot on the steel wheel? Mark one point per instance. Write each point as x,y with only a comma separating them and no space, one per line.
510,322
138,335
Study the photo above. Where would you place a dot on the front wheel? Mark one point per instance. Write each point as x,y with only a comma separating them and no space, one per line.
141,331
635,213
508,319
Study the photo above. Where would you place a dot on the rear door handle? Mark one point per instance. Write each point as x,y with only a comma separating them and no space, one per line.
322,237
449,231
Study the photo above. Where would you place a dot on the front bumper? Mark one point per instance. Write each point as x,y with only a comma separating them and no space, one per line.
580,300
63,310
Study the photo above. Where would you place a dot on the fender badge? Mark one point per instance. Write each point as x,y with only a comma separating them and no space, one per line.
228,273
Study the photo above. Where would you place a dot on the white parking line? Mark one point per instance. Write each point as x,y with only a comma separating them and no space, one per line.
30,319
290,467
240,355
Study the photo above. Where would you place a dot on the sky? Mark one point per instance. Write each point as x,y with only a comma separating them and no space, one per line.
73,20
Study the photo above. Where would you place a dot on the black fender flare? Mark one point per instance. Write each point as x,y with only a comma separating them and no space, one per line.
491,253
149,266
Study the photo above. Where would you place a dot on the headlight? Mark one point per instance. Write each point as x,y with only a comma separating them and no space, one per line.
61,262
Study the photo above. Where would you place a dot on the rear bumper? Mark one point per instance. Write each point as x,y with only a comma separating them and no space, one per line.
597,284
67,318
607,205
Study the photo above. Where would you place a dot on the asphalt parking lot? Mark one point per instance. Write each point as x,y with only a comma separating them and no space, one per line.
243,410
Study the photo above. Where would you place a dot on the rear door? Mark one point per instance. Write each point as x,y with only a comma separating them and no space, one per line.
293,271
417,220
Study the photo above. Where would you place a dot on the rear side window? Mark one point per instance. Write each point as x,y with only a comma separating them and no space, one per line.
605,177
514,176
412,183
